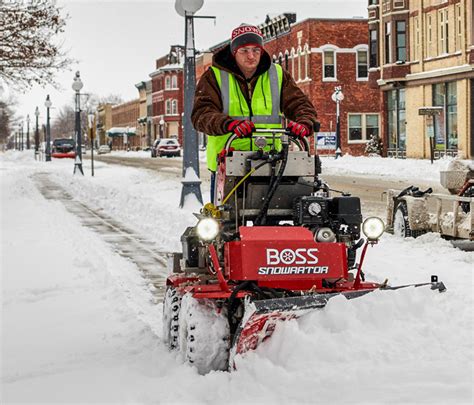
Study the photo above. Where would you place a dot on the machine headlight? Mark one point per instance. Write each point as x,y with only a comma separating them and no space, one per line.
207,229
314,209
373,228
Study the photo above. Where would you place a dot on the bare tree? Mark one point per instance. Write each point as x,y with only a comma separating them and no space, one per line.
28,51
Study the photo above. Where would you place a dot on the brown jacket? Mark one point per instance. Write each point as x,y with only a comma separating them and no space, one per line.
207,115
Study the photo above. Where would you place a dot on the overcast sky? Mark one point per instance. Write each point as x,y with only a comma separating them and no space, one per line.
117,42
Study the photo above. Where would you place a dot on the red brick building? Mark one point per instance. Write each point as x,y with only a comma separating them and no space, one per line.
322,54
168,96
124,125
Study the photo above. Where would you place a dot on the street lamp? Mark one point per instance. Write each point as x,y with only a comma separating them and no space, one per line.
162,128
191,181
91,117
337,97
77,86
36,134
21,135
28,132
48,105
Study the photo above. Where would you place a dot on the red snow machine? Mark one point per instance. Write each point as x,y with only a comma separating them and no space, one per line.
274,246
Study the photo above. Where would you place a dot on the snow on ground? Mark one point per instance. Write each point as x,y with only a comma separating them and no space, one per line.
79,324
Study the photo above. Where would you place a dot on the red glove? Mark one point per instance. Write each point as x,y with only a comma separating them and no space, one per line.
298,130
242,129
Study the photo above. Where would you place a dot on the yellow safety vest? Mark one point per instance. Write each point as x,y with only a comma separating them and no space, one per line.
265,111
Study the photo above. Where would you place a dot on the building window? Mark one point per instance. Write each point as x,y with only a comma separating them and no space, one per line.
280,59
374,60
329,68
168,107
299,63
362,68
167,83
388,42
174,82
429,36
293,63
401,41
306,61
396,121
443,46
362,127
458,25
446,124
286,60
416,49
174,107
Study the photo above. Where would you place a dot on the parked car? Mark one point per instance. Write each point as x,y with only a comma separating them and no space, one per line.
63,148
103,149
166,147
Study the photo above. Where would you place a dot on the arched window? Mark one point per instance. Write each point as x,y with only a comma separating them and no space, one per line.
274,59
306,61
174,82
280,59
293,62
299,63
168,107
286,59
174,107
167,83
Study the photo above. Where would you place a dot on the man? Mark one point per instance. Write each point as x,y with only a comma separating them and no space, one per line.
244,90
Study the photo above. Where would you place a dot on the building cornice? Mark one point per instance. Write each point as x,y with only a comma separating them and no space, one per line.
440,72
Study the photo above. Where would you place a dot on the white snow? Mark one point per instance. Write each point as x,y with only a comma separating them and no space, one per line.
80,325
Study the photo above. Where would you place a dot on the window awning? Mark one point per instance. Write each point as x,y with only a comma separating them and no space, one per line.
121,131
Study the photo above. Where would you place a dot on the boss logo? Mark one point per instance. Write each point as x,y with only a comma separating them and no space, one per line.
290,256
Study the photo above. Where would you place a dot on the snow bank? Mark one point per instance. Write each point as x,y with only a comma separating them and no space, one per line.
80,325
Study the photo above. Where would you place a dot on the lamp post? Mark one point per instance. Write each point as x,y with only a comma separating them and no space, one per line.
36,134
191,181
337,97
48,105
162,128
77,86
21,136
28,132
91,117
16,141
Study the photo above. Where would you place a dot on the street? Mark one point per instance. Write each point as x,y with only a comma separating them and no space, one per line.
370,189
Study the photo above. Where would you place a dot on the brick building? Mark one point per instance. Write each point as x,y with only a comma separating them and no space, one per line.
422,55
104,122
124,125
322,54
142,119
167,91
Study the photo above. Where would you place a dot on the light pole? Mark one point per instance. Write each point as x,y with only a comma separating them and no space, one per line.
191,181
337,97
48,105
91,117
37,137
77,86
28,132
162,128
21,136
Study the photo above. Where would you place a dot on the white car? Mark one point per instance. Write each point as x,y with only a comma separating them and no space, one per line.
103,149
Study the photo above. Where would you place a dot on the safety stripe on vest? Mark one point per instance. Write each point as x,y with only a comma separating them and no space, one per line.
257,119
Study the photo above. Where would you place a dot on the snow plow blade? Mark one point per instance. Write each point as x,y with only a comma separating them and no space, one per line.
261,316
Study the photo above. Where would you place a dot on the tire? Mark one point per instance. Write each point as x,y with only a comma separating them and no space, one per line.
171,307
204,334
401,225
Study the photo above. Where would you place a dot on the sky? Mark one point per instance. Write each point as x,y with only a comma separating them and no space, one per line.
116,43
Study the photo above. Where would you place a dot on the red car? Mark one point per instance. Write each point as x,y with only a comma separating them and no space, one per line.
63,148
166,147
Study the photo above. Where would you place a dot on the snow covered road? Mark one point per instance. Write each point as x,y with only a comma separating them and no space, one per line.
81,325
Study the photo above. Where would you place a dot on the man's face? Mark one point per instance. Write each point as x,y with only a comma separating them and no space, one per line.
248,58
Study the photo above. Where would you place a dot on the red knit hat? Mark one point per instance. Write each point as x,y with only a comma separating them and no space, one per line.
245,35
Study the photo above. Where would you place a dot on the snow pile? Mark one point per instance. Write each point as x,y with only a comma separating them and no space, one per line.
80,325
